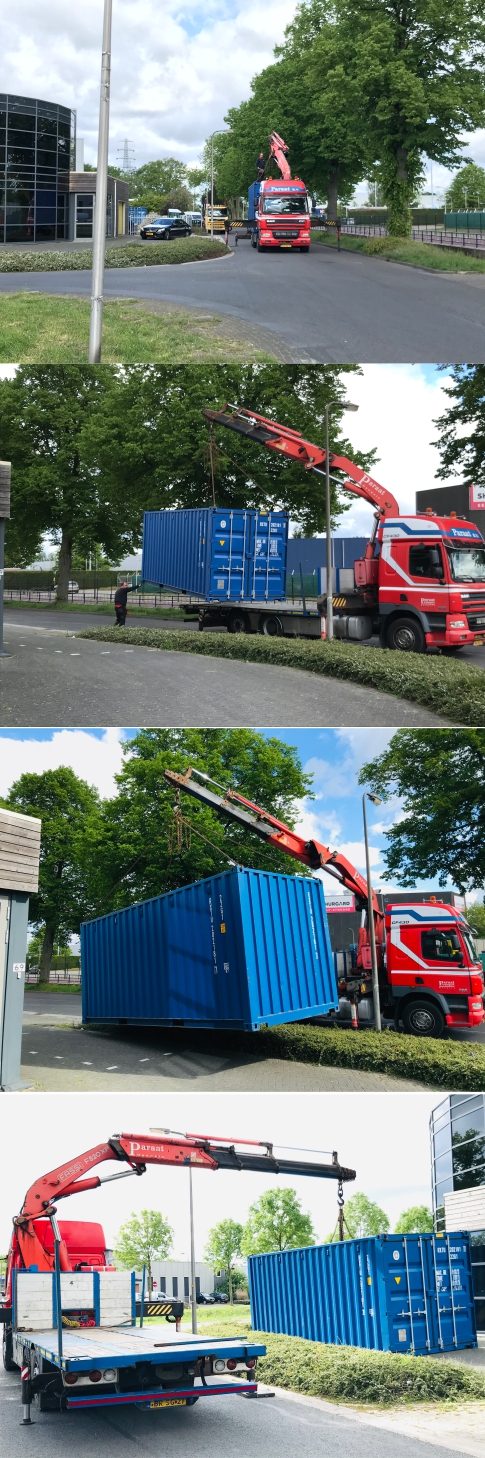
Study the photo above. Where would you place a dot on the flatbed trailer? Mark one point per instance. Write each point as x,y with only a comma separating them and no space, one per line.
86,1362
273,620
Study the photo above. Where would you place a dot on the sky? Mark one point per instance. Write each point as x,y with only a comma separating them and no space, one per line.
333,757
176,69
387,1145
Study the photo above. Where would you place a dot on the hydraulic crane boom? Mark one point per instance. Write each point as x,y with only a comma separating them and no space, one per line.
309,852
279,150
137,1151
291,444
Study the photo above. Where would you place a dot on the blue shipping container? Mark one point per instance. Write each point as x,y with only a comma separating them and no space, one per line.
388,1293
220,555
235,951
253,198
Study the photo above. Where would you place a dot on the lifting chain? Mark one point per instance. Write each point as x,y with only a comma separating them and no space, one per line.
340,1207
179,830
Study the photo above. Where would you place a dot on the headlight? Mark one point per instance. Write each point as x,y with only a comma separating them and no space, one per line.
458,623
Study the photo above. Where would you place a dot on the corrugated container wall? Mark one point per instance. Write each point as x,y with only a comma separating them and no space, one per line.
388,1293
233,951
219,555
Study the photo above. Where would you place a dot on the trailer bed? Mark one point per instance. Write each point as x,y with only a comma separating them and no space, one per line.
122,1346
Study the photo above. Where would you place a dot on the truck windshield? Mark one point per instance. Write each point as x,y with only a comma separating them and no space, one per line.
467,564
470,945
289,203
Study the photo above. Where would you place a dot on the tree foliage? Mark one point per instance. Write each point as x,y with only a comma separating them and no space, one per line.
418,1220
363,1217
461,440
223,1248
439,777
467,190
159,177
475,915
141,856
276,1222
143,1239
70,812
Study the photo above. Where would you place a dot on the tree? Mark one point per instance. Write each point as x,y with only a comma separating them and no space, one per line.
239,1282
467,190
70,813
196,176
440,779
223,1247
159,177
461,440
276,1222
143,1239
363,1217
156,202
49,429
475,915
418,1220
141,855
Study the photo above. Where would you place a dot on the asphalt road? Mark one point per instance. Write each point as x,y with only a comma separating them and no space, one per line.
51,678
57,1058
274,1427
324,307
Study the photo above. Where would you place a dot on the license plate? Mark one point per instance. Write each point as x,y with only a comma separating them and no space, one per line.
286,245
170,1402
149,233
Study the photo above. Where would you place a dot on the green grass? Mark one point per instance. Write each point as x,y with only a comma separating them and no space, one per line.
98,607
347,1374
45,329
405,250
447,687
54,987
129,255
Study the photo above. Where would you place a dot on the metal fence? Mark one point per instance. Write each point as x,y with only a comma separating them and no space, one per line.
446,238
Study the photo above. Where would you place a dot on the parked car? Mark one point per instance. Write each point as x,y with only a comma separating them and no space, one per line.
205,1298
73,586
220,1297
166,228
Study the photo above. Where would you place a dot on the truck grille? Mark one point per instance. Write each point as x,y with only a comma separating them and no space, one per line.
474,607
285,232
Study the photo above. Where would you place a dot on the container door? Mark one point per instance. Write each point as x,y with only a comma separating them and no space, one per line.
269,549
453,1284
410,1287
229,558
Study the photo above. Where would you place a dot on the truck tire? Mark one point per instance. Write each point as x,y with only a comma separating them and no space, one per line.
7,1350
270,625
253,240
406,634
261,247
423,1019
238,621
305,248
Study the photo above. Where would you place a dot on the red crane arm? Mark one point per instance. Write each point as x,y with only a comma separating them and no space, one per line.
275,832
279,150
137,1151
291,444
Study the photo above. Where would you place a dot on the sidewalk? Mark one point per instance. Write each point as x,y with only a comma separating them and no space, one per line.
460,1429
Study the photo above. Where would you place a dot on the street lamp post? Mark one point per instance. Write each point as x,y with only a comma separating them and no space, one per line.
5,470
376,800
340,405
99,230
222,131
193,1292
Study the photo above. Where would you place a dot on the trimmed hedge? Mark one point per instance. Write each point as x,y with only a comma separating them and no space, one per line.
434,1061
130,255
447,687
348,1374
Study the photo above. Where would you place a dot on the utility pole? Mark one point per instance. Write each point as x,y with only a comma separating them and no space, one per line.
376,800
333,405
5,473
193,1292
99,230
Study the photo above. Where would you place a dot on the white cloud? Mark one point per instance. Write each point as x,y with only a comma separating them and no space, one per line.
397,406
92,759
174,74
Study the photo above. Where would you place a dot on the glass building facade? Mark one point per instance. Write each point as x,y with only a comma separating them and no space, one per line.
36,149
457,1131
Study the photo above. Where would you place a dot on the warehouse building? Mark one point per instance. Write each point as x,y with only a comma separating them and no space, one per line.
44,192
457,1134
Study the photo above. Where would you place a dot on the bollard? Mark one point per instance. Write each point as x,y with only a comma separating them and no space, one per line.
26,1397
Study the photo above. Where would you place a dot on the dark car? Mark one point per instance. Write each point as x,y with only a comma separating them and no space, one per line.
166,228
205,1298
221,1297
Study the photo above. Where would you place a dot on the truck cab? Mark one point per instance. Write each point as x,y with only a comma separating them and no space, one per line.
427,582
279,215
432,977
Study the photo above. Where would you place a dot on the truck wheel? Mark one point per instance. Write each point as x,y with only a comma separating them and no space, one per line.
238,622
7,1350
305,248
271,626
253,241
423,1019
261,247
407,635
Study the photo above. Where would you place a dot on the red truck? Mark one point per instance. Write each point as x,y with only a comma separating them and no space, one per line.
430,978
279,213
420,583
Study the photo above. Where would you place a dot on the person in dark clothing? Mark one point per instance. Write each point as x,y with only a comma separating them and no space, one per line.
121,595
260,167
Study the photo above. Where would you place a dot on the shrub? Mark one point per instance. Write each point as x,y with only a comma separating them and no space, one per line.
128,255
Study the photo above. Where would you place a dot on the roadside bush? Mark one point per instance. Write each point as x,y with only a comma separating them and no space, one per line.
129,255
447,687
433,1061
347,1374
